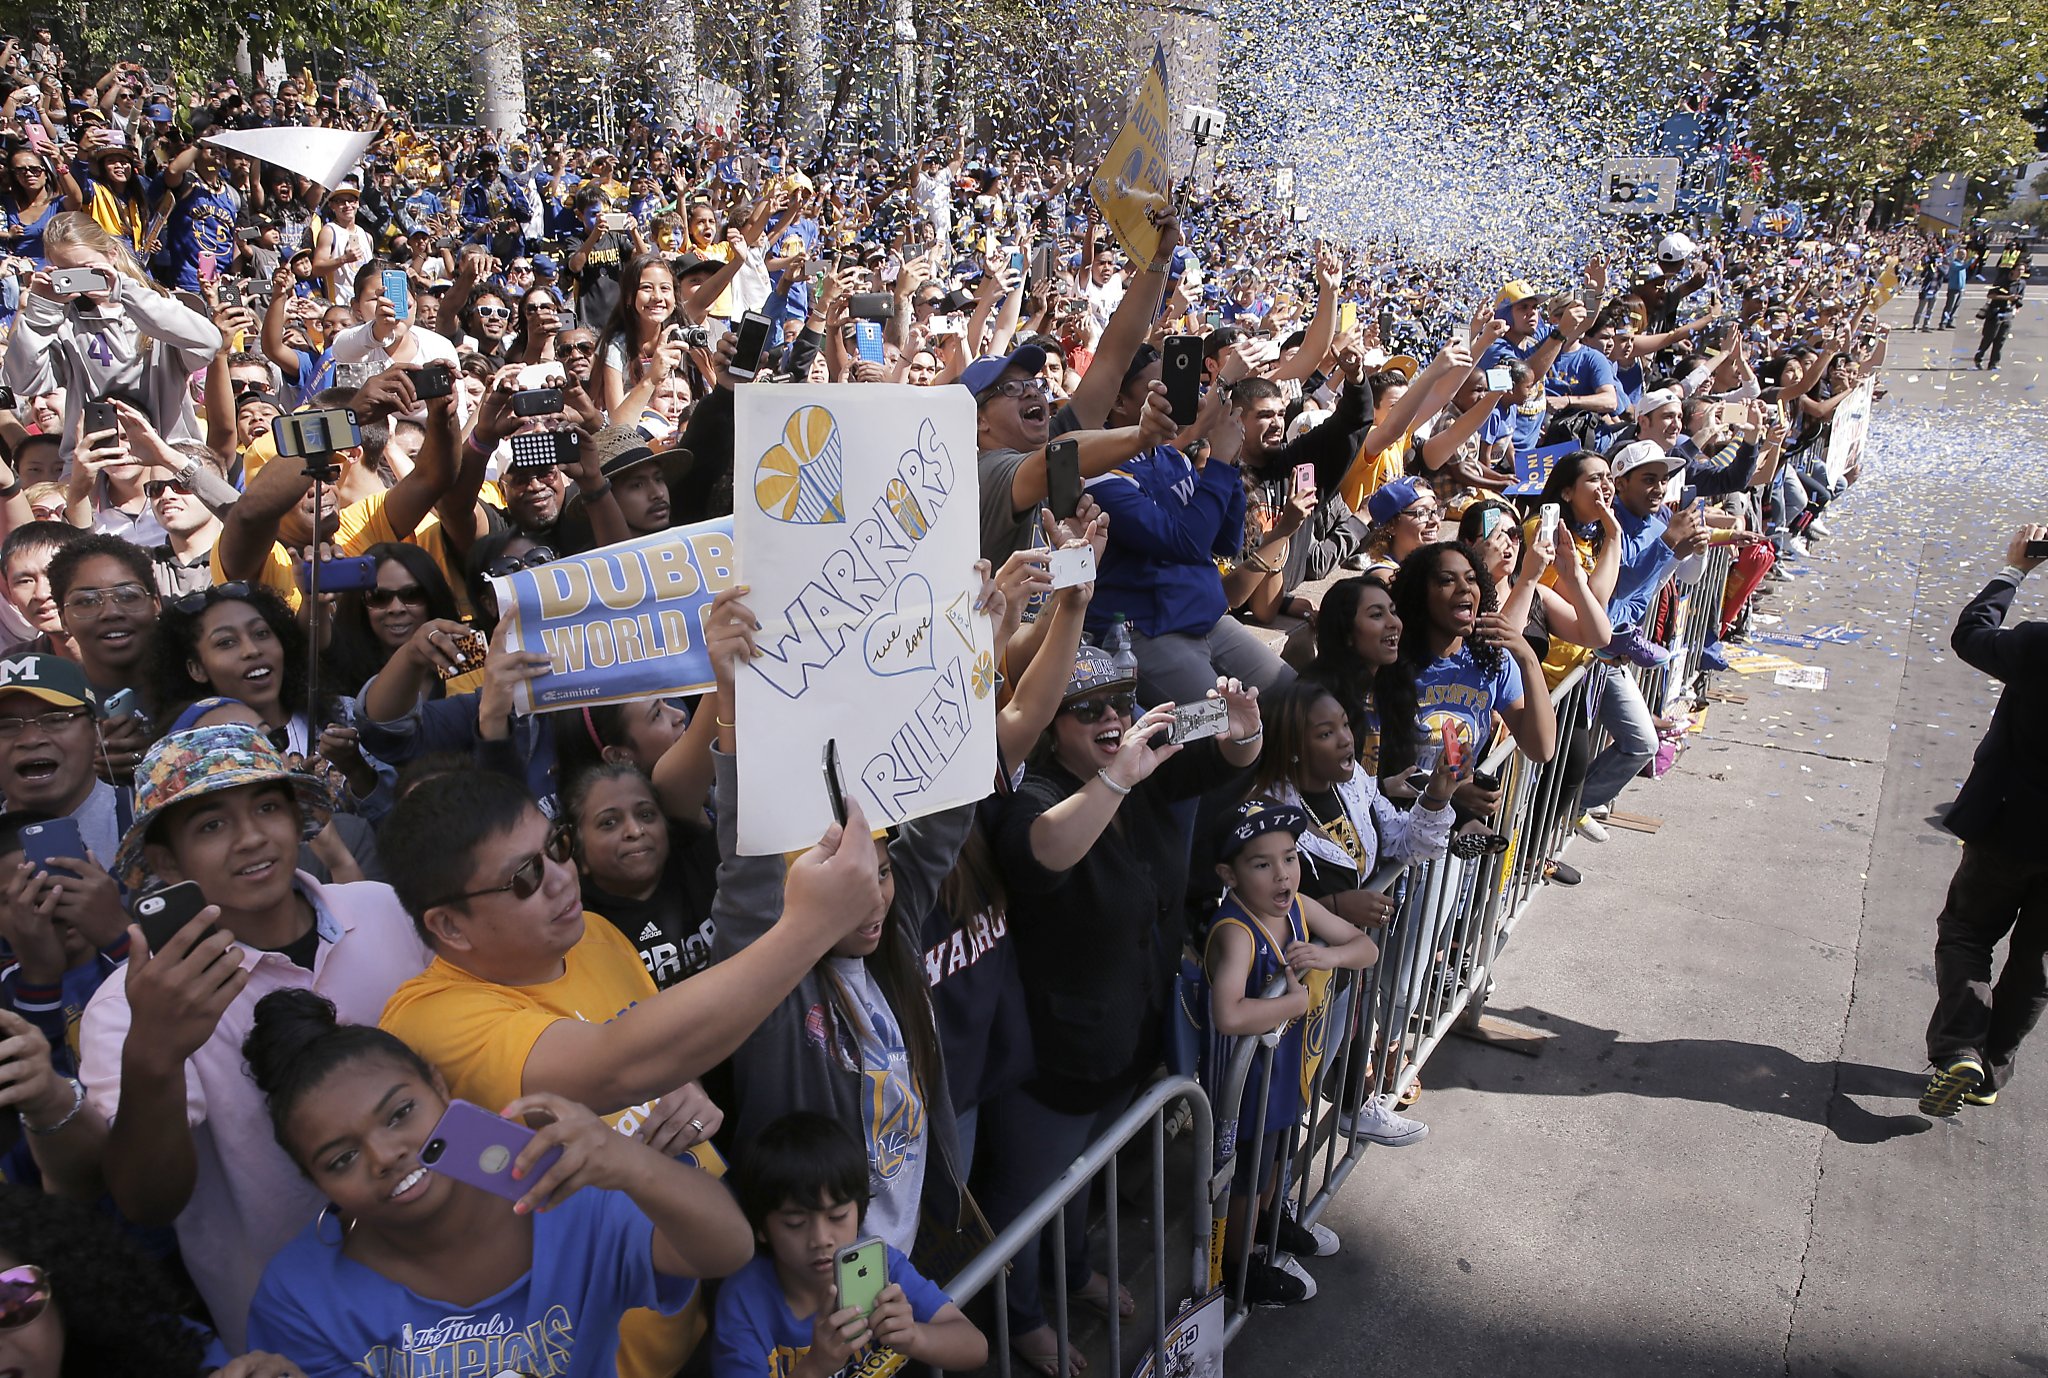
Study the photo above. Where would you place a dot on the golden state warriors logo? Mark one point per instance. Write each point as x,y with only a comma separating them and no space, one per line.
1315,1028
800,480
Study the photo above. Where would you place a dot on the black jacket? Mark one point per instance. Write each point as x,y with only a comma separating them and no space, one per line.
2004,803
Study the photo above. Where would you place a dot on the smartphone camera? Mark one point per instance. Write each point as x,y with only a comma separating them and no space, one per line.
431,1151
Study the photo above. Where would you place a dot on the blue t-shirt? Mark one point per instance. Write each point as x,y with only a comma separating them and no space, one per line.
1582,371
756,1335
202,223
1504,351
593,1261
1455,689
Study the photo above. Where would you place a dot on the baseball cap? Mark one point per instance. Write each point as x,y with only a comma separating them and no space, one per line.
1638,453
691,264
1660,397
1094,671
159,113
542,263
1390,500
50,678
1255,818
1676,248
1518,291
981,375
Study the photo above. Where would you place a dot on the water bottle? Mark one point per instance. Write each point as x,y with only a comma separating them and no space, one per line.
1120,653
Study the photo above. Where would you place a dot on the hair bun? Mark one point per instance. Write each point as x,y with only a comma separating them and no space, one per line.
287,1023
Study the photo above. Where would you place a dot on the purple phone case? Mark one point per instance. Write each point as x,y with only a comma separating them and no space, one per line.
472,1145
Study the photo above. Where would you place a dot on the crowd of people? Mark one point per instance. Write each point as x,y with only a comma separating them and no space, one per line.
289,888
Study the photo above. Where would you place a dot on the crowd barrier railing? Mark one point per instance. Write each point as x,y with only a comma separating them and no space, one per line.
1377,1028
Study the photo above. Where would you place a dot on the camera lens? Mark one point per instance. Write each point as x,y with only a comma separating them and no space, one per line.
431,1154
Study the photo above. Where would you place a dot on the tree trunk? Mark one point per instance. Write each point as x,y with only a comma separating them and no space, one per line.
806,61
499,63
903,98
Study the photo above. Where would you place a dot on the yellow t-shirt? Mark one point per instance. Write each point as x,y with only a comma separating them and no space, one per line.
479,1036
1369,473
358,526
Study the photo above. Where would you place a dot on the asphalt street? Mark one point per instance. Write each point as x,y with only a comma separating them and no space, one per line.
1715,1165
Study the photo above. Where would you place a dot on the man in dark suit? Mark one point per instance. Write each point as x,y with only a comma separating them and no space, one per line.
2001,886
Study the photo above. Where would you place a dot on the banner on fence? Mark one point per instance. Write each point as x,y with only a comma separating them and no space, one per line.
1135,178
1851,429
1532,470
857,522
1194,1343
619,623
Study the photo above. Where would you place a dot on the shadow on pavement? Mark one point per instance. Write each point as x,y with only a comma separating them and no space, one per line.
1584,1060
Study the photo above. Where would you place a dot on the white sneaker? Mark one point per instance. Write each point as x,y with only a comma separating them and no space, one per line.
1816,528
1600,811
1290,1265
1799,545
1591,829
1381,1124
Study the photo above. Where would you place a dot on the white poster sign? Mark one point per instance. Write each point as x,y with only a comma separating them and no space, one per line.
1639,186
855,514
1851,428
320,155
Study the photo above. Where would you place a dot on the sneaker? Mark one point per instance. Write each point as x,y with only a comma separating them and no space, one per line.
1600,811
1561,873
1379,1123
1268,1285
1816,528
1947,1087
1712,657
1980,1096
1304,1241
1631,645
1589,828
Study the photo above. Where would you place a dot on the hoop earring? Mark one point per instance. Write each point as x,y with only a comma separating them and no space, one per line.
320,1221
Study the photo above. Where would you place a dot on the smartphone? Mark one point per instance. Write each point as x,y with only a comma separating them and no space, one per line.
2037,550
471,649
1213,320
1386,329
431,380
534,448
1063,477
867,342
348,574
316,432
1688,495
58,837
746,358
1304,478
68,282
871,306
231,292
862,1271
163,913
118,704
617,222
1071,565
537,402
1347,317
101,416
471,1145
1017,262
1045,262
1454,749
398,291
1499,380
1194,721
835,785
1486,780
1547,517
1180,368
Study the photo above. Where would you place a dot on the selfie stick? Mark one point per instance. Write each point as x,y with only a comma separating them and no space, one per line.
319,473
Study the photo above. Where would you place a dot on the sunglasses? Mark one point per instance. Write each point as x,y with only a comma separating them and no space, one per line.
494,313
580,347
24,1292
157,487
192,604
511,564
384,598
1094,710
530,874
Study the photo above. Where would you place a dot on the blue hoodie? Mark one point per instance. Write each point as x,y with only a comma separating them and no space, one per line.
1169,522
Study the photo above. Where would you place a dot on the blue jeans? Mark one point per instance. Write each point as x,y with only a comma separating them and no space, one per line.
1627,720
1029,1145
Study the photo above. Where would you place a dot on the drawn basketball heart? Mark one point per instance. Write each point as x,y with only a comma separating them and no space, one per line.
900,640
800,480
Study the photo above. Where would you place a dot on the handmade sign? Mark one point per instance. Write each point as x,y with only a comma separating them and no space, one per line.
1532,470
856,514
1134,182
622,622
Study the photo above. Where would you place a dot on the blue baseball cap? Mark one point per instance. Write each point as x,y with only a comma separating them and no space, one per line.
542,263
1391,500
981,375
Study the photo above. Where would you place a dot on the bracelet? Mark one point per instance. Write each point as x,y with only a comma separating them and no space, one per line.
722,722
1247,741
10,490
1120,791
469,442
593,494
77,1104
2014,572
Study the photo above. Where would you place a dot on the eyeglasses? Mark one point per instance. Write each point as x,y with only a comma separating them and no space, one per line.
511,564
54,721
1019,387
157,487
494,313
198,601
123,596
384,598
24,1292
579,347
1423,513
530,874
1094,710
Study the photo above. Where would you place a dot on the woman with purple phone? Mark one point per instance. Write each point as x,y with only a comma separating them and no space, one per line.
407,1260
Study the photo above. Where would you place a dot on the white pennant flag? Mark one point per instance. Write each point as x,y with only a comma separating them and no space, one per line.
320,155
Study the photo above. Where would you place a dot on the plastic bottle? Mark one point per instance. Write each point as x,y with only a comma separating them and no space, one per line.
1120,653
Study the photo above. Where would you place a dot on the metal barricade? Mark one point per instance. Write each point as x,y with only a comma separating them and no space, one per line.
1099,1161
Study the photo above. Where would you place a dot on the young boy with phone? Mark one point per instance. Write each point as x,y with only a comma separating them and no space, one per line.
1263,929
803,1186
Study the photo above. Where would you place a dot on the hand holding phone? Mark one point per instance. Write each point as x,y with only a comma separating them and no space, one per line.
1194,721
835,785
1070,565
163,914
1063,477
470,1144
861,1272
41,843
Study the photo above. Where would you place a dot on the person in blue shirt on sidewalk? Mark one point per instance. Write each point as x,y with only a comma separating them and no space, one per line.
1957,272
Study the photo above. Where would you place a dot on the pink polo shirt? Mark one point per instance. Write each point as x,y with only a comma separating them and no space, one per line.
249,1199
